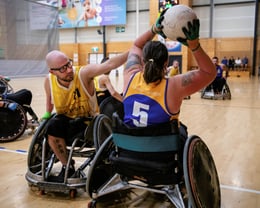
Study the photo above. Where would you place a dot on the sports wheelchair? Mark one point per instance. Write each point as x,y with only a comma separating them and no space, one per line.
209,92
5,87
43,164
156,160
14,121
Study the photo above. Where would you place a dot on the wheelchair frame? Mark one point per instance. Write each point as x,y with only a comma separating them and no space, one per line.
202,187
208,93
41,160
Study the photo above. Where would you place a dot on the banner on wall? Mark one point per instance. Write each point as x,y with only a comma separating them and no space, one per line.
89,13
41,14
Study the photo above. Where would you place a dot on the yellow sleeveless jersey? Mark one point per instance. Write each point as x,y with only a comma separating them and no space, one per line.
73,101
144,104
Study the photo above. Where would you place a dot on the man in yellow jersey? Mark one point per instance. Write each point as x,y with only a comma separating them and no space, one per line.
72,94
174,69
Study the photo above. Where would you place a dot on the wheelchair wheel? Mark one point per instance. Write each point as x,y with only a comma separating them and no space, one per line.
34,160
100,170
5,87
203,91
200,174
226,92
110,105
12,123
102,130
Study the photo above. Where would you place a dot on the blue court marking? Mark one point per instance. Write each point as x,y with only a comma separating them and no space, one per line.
24,152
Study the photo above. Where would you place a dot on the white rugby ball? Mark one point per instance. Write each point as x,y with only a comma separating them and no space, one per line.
175,18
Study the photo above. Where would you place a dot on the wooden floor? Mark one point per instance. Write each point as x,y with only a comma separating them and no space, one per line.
230,128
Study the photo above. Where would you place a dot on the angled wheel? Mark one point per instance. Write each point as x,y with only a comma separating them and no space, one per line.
226,92
200,174
110,105
100,170
102,129
12,123
203,93
34,159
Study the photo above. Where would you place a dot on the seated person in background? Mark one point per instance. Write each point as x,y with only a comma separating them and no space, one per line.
219,81
238,63
72,93
174,69
104,87
245,63
150,98
23,97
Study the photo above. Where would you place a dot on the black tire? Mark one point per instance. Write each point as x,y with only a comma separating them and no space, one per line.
226,92
12,123
100,170
110,105
34,159
200,174
102,129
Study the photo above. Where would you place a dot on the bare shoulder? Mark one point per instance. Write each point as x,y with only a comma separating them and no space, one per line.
133,60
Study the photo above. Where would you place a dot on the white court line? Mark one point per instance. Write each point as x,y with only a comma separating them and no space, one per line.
239,189
221,186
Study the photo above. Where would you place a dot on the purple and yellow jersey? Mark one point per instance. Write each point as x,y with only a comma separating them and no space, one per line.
145,104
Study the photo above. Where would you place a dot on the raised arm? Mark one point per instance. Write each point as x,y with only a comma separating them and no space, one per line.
92,70
134,60
186,84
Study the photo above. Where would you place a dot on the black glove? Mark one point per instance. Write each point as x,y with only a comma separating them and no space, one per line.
192,33
157,27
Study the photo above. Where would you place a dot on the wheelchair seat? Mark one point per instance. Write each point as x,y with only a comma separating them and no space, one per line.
154,159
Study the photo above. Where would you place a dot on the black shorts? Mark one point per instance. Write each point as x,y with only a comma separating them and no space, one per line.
64,127
22,97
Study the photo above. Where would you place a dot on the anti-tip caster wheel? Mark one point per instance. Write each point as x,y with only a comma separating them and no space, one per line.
92,204
42,192
73,193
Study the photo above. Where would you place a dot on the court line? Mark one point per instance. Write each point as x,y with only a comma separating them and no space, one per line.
235,188
23,152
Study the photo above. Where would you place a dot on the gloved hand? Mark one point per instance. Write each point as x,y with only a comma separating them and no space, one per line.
192,33
157,27
46,116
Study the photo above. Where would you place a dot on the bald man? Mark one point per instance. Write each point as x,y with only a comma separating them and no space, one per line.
72,93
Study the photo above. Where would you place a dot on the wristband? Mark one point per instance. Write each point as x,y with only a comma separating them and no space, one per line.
195,49
46,115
